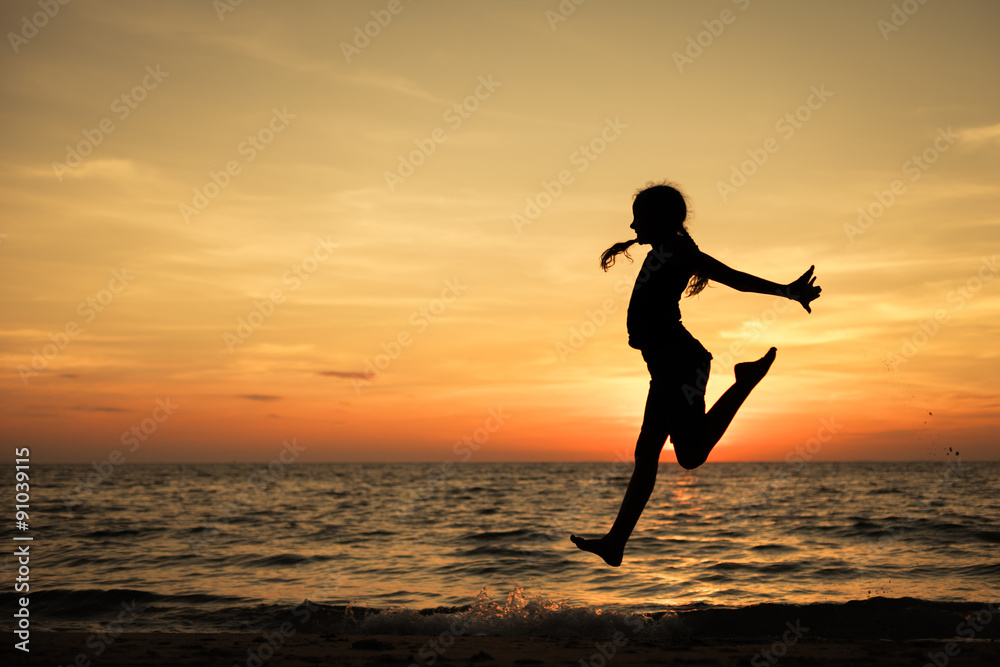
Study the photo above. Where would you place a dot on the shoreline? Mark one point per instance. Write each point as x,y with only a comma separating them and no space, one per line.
902,618
876,631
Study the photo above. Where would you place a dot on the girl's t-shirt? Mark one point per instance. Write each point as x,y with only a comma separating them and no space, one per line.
654,310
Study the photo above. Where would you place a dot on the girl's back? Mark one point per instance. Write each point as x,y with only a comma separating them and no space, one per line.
654,309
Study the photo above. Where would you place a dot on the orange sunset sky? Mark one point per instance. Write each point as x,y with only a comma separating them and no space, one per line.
232,209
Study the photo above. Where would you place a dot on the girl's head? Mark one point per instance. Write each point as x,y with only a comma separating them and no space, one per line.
658,212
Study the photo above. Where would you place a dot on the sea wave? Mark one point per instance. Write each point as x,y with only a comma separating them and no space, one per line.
513,612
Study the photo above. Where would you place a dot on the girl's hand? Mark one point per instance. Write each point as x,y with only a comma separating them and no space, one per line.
803,290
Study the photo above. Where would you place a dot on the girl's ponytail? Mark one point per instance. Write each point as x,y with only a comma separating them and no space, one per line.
608,257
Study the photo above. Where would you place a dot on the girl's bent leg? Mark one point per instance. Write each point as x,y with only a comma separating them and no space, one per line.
693,440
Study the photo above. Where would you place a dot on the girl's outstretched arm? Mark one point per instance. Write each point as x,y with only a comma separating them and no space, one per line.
802,290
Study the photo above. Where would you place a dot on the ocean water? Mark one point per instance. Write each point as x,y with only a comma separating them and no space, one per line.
235,546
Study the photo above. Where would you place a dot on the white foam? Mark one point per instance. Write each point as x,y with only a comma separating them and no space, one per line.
513,613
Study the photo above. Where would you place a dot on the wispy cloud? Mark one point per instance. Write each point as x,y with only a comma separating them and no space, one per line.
343,374
397,84
985,134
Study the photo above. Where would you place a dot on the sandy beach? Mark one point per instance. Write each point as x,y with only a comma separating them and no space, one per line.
227,649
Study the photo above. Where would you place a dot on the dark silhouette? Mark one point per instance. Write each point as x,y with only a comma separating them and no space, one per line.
678,364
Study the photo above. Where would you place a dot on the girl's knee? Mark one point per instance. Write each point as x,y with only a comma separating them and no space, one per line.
689,452
689,462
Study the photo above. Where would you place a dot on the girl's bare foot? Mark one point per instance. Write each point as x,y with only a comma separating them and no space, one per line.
749,373
610,551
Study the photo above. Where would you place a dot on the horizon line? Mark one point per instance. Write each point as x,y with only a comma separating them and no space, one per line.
453,462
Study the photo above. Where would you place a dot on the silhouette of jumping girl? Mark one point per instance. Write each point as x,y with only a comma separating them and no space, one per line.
678,364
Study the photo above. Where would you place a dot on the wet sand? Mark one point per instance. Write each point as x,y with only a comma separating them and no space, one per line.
228,649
